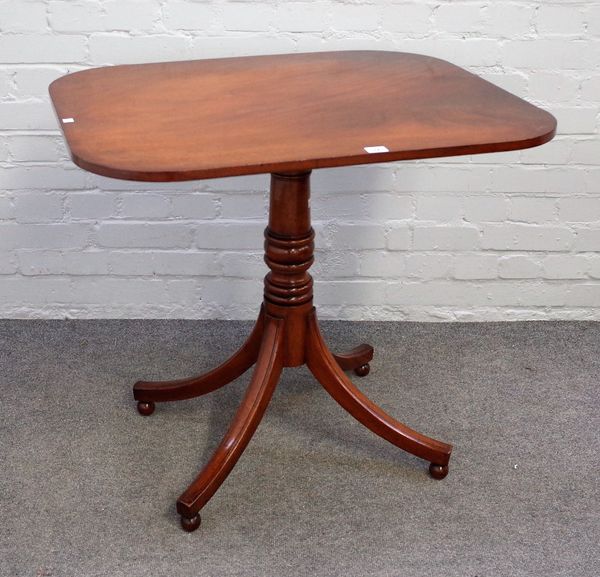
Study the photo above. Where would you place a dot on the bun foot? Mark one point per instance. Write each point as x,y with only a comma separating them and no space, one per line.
145,408
363,370
438,471
190,524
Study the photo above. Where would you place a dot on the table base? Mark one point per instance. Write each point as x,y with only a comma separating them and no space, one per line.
286,334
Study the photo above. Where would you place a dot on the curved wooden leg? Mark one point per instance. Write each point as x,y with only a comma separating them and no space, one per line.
356,360
266,374
149,392
327,371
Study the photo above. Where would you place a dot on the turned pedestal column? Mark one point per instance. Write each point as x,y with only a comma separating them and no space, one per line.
286,335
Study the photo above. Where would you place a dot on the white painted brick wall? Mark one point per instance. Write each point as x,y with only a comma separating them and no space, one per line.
491,237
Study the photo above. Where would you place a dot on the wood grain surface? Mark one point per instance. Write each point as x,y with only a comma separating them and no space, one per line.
225,117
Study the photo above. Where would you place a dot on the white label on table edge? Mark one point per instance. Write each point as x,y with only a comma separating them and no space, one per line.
376,149
68,120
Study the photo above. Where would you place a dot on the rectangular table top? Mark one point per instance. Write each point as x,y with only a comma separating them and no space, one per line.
282,113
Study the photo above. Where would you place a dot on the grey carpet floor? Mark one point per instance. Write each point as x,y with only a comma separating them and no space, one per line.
88,486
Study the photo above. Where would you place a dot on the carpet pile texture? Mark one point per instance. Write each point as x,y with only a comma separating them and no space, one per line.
88,486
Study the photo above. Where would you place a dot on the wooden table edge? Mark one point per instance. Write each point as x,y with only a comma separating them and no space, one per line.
310,164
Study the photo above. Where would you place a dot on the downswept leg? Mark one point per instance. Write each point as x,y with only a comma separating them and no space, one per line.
327,371
149,392
356,360
251,410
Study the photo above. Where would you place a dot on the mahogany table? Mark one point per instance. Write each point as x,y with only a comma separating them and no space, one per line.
285,115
